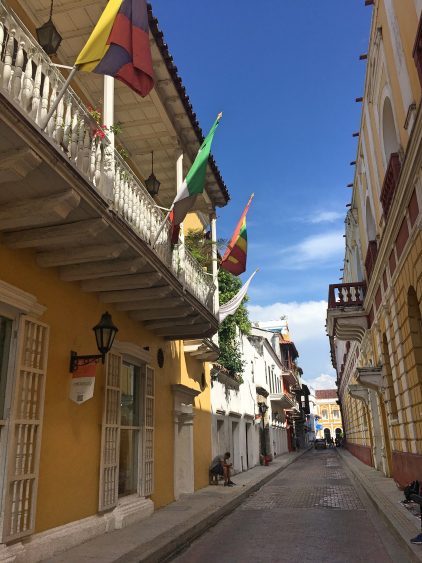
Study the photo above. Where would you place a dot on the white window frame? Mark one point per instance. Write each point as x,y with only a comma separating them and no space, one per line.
14,303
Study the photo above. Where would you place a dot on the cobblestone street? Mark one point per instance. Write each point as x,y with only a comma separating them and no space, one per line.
312,511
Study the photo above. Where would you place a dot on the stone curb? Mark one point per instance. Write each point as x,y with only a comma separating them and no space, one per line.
387,516
168,544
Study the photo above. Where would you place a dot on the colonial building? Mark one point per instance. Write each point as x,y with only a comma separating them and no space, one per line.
254,415
88,448
374,316
328,413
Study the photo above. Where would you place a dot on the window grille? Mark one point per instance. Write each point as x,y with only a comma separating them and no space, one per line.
25,429
148,442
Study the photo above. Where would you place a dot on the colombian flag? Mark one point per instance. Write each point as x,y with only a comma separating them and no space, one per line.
234,259
119,46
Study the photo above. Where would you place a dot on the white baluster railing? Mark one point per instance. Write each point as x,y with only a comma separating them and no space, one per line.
30,80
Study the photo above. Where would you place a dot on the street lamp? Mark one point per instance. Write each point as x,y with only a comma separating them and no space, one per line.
152,183
48,36
105,332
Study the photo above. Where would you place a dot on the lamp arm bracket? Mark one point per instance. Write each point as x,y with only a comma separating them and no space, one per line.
76,361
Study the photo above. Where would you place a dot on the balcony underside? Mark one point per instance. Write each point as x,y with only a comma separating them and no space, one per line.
349,324
47,205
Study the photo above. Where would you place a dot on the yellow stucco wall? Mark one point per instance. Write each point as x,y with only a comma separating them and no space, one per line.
70,450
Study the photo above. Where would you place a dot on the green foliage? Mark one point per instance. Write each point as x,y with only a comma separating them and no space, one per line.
229,285
230,353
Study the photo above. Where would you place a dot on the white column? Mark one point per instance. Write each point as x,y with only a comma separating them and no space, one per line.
214,262
108,105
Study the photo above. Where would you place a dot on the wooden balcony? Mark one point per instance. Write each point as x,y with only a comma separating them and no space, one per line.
389,185
70,197
417,51
346,295
371,258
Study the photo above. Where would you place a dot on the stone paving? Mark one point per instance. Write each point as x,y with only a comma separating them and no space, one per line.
312,511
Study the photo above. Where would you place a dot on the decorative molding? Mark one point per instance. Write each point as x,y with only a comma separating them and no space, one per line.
359,392
371,377
133,352
20,300
183,403
235,414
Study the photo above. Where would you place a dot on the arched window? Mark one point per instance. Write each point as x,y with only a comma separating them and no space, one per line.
391,396
371,230
415,325
389,133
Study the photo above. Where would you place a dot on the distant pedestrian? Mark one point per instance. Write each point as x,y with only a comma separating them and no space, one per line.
220,466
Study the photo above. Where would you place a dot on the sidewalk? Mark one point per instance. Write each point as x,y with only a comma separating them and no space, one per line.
385,495
175,525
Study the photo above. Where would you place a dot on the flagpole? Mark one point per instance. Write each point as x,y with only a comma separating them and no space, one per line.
161,227
59,97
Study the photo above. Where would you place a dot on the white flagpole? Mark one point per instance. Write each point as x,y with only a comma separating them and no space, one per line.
161,227
59,97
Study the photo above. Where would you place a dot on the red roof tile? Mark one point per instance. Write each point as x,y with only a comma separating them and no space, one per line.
326,394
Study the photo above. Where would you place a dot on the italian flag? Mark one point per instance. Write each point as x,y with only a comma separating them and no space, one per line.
193,184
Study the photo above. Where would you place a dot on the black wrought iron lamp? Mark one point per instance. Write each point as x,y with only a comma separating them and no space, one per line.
105,332
152,183
48,36
263,407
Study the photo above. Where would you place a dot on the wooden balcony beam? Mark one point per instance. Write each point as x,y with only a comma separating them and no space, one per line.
187,321
102,269
94,253
68,234
145,304
159,314
34,212
134,294
132,281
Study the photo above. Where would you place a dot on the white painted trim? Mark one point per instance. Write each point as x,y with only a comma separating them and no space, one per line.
132,353
57,540
387,93
20,300
372,152
399,58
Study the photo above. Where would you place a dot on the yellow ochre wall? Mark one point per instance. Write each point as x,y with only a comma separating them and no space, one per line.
70,450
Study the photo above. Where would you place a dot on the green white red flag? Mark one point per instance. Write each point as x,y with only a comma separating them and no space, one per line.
193,184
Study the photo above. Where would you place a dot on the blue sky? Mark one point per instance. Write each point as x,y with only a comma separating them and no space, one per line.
286,74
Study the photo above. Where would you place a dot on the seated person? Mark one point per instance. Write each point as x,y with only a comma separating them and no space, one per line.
220,466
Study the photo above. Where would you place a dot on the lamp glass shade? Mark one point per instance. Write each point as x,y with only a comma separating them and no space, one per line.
152,185
48,37
105,332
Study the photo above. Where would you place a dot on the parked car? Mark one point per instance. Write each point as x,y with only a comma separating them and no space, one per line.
320,444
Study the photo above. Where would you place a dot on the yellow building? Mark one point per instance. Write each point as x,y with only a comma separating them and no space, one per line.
374,316
80,236
328,412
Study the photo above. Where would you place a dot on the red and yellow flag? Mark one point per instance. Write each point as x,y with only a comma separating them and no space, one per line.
234,259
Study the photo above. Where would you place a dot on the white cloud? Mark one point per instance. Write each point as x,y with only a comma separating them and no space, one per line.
315,249
324,381
306,322
326,217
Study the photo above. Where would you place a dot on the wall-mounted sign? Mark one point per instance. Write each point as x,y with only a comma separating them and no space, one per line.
83,383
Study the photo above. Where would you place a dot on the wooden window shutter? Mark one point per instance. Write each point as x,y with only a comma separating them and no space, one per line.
148,438
25,429
110,435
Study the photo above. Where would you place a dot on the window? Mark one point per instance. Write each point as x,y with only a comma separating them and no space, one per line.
324,413
336,414
127,443
129,428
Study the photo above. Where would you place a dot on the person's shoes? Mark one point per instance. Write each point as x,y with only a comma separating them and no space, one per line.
228,484
231,482
417,540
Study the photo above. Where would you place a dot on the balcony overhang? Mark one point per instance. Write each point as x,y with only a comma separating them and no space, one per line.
359,392
371,377
163,122
60,208
348,324
281,400
204,350
221,374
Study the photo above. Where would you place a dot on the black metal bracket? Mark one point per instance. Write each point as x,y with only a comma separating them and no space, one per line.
76,361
